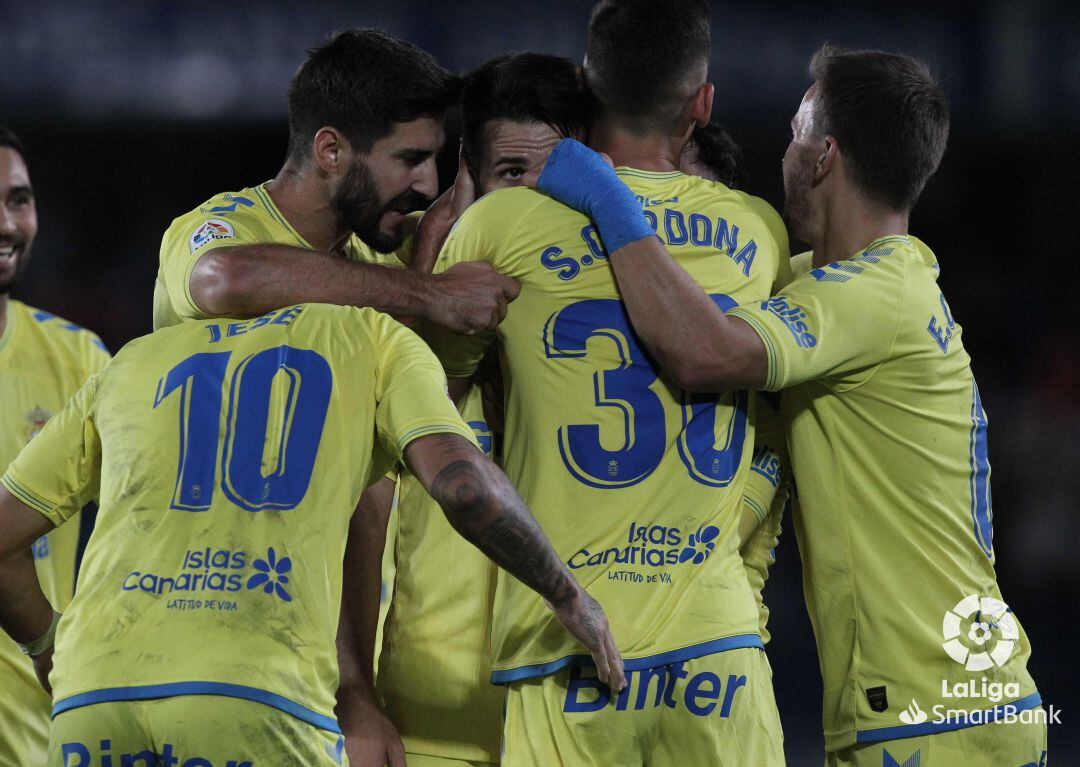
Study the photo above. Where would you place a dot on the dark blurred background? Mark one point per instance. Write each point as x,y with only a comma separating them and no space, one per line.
136,112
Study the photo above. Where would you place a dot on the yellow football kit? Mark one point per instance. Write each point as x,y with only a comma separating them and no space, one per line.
766,495
888,444
43,361
439,727
435,665
638,485
230,455
247,217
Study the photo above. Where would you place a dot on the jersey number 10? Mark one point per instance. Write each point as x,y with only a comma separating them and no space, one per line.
293,445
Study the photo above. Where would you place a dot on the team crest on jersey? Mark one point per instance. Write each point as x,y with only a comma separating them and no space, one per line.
212,229
36,420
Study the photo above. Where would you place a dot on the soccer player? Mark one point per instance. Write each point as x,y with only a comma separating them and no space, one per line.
435,665
43,362
365,126
638,485
713,154
229,457
922,660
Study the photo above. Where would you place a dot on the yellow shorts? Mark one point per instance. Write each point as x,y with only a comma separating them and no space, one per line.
999,744
715,710
189,731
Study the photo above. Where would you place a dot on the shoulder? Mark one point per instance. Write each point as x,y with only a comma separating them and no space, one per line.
505,206
80,348
217,218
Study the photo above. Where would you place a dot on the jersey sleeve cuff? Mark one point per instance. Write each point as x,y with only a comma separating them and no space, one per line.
424,430
774,352
759,511
34,500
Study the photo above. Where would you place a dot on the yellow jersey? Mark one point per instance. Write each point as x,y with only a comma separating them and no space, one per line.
766,495
43,361
436,656
247,217
888,444
638,485
230,456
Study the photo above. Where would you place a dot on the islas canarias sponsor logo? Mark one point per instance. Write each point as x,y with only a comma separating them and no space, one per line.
210,570
652,546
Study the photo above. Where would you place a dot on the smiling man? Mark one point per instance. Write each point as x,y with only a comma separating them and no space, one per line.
365,128
43,362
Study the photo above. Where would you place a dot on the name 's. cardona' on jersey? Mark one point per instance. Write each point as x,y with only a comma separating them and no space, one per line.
653,546
218,570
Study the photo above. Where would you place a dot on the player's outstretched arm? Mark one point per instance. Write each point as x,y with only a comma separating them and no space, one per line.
697,345
250,280
371,739
25,613
484,507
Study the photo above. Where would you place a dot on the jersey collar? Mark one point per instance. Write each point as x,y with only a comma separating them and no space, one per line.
272,209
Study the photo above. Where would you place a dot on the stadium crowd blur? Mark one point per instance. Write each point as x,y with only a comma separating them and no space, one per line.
135,112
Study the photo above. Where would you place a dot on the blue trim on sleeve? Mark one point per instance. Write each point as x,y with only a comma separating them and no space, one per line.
985,716
737,642
156,691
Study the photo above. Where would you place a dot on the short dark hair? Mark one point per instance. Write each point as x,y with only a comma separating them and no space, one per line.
11,140
718,152
889,117
640,54
524,87
362,82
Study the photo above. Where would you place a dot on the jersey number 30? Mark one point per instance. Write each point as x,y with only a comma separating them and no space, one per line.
710,459
284,442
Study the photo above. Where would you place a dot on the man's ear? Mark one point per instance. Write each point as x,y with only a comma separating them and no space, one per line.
331,151
828,157
701,111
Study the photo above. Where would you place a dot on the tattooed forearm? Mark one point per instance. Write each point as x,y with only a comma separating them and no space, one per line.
482,505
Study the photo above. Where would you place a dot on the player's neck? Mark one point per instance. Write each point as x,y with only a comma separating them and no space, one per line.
851,224
3,313
648,151
302,201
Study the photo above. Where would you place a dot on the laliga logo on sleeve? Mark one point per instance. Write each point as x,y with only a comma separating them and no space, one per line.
980,632
212,229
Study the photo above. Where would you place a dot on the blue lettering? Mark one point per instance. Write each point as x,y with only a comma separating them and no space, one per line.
746,257
288,315
727,236
733,685
651,218
578,683
549,259
575,565
236,329
215,333
125,587
592,239
167,758
148,759
677,673
673,220
646,676
695,691
71,750
700,229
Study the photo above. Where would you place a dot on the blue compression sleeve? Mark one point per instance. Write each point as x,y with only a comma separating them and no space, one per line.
578,177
